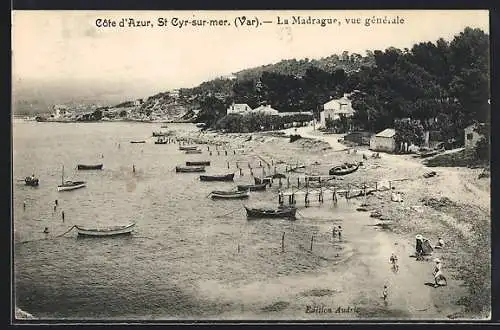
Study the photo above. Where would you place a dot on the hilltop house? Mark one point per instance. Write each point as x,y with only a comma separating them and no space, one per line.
384,141
335,109
239,108
471,136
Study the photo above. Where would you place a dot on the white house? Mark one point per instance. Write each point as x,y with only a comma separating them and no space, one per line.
471,136
265,109
336,108
238,108
384,141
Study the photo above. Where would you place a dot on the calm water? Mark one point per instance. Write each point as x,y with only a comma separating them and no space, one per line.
180,244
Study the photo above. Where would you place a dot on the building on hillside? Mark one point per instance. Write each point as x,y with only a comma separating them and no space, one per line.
138,102
239,108
266,110
335,109
471,136
384,141
175,93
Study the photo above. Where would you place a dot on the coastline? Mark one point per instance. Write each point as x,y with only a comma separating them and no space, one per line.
454,204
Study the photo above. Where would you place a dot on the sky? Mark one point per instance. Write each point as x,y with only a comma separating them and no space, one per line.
67,48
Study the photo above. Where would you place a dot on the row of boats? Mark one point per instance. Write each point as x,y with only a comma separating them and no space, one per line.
241,191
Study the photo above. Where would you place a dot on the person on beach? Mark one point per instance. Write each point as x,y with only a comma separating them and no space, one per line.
56,202
62,215
440,243
334,231
24,205
46,230
394,261
339,230
439,278
385,293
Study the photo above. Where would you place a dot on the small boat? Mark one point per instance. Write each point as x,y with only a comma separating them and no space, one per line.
142,141
155,134
69,185
280,212
190,169
196,151
161,140
225,177
90,167
31,181
105,231
184,148
343,169
218,194
252,187
198,163
266,180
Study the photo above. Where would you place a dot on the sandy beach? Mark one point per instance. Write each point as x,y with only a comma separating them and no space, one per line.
454,205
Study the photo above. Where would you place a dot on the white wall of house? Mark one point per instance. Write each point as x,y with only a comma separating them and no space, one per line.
336,108
238,108
379,143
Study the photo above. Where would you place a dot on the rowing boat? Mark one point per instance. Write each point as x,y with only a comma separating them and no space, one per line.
190,169
142,141
218,194
343,169
31,181
225,177
252,187
184,148
90,167
105,231
280,212
195,151
198,163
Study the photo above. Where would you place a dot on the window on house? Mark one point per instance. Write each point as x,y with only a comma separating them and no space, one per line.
469,136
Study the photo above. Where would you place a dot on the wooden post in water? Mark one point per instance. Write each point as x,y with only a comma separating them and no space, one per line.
280,183
280,198
260,163
376,188
227,164
241,172
283,242
348,191
306,199
288,182
225,151
234,152
293,198
298,182
312,240
335,195
275,170
320,198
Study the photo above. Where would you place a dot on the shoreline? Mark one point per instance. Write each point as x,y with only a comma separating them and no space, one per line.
433,207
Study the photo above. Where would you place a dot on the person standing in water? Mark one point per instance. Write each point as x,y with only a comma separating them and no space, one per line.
339,230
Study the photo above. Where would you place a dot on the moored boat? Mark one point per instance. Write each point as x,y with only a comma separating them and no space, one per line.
89,167
343,169
105,231
218,194
184,148
190,169
31,181
224,177
142,141
265,180
69,185
156,134
198,163
195,151
252,187
280,212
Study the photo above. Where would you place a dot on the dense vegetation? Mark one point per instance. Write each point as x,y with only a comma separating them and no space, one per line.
444,85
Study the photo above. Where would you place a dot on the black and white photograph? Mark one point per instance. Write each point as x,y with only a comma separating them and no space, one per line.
251,165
